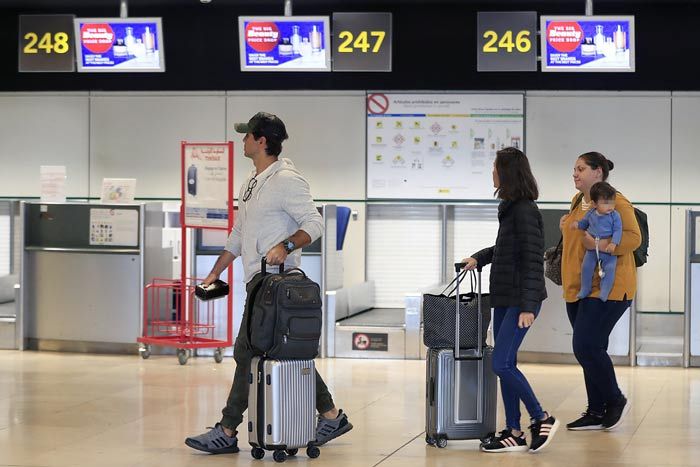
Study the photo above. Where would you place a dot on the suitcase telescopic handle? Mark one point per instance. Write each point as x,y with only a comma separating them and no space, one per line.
263,266
479,319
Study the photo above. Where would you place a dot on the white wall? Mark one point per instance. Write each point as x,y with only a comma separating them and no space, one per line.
632,129
685,170
138,135
43,129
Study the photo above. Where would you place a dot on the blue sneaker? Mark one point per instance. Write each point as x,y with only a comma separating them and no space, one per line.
327,430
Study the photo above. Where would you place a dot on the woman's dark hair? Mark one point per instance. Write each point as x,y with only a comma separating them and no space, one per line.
602,191
595,159
515,179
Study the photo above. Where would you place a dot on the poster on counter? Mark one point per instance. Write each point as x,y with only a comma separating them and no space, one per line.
587,43
284,43
119,44
438,146
114,227
207,183
52,181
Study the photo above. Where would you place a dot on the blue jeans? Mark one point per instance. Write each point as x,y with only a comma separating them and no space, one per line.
590,261
593,320
514,385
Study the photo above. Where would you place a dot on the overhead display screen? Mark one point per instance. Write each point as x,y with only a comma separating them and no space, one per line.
587,43
119,44
284,43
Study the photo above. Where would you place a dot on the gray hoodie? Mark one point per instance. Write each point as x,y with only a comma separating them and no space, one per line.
280,204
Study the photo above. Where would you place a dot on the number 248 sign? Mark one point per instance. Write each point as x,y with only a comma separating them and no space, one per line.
46,43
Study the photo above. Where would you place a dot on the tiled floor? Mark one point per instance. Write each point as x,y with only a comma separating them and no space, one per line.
84,410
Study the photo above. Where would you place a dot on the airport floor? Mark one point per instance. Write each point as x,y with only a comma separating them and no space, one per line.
91,410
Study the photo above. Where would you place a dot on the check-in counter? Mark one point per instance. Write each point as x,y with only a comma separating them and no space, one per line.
84,268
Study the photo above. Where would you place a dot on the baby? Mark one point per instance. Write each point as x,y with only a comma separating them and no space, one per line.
601,221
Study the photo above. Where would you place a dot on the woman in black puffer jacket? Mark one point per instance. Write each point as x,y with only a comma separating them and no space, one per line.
517,291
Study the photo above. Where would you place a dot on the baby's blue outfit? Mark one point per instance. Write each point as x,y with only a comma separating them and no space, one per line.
600,226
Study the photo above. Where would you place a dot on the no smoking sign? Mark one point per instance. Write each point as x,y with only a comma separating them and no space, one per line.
377,104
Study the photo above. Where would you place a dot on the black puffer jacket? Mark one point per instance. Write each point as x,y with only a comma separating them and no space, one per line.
517,265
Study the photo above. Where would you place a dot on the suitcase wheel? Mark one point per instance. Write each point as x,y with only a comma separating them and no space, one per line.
292,452
258,453
279,455
219,355
430,441
182,356
313,452
441,443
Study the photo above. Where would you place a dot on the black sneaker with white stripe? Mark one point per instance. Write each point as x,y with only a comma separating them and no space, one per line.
615,412
506,441
543,432
214,441
588,421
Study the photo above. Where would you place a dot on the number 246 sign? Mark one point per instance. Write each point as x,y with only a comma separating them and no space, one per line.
507,41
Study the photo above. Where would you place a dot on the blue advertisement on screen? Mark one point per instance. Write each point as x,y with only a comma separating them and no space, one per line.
107,44
284,44
588,43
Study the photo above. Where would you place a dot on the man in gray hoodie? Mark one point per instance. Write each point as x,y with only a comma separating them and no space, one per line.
276,218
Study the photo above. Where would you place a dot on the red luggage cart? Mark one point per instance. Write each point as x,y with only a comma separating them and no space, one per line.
172,315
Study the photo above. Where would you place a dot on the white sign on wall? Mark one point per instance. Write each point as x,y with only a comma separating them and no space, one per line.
438,146
207,180
52,181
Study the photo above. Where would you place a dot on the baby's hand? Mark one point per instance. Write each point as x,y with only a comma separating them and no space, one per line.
562,221
610,248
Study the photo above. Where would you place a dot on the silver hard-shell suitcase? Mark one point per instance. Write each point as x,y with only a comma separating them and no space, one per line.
461,388
282,407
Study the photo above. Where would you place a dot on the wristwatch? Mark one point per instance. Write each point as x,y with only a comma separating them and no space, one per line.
288,245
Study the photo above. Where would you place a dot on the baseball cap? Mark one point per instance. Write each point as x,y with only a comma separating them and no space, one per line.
264,124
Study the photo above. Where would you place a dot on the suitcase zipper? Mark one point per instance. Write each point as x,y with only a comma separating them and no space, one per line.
261,407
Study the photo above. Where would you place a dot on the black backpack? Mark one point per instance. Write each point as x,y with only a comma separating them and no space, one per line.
641,253
286,318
